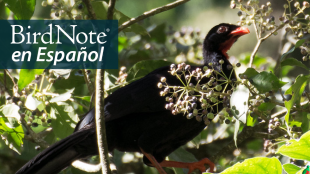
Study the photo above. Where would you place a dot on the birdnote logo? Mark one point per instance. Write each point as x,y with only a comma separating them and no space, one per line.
59,44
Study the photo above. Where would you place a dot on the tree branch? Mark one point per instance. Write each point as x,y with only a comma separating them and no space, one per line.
88,82
246,133
151,13
111,9
92,14
100,122
32,136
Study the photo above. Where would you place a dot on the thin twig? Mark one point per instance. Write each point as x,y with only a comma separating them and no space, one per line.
89,84
151,13
12,78
259,42
283,112
246,133
111,9
100,122
32,136
91,13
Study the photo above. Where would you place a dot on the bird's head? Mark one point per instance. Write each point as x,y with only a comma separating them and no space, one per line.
221,37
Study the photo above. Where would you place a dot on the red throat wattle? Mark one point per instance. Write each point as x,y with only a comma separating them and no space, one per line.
234,35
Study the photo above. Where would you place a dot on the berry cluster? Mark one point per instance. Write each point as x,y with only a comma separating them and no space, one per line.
305,51
294,17
270,145
188,42
197,99
121,80
62,9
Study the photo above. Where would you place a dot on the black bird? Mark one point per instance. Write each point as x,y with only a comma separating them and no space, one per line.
136,118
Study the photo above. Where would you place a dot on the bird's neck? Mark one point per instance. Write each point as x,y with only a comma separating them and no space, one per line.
213,55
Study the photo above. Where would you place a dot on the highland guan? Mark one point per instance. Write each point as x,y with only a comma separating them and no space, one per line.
137,120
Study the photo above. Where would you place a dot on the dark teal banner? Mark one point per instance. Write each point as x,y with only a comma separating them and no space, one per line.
58,44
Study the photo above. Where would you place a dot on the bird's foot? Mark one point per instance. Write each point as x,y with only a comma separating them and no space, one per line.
201,165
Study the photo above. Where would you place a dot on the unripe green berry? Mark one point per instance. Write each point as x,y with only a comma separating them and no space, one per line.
304,58
218,87
195,112
44,3
210,115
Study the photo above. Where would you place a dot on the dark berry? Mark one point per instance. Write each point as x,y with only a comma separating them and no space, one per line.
198,118
266,100
34,124
238,64
229,67
80,6
49,120
15,99
190,116
227,121
34,112
194,105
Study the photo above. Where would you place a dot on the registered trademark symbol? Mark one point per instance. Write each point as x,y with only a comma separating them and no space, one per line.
108,29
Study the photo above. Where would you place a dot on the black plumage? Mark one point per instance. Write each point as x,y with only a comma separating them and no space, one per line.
136,118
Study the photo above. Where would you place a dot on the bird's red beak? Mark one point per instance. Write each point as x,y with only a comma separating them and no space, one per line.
224,47
240,31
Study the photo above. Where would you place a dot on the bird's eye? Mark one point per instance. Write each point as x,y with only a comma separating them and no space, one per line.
222,29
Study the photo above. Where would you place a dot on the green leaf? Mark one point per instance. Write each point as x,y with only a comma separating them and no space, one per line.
293,62
251,120
23,9
239,102
144,67
63,119
298,44
297,149
266,81
62,97
9,84
296,91
157,34
11,110
76,80
250,72
26,76
13,137
291,168
64,73
32,103
266,106
256,165
100,9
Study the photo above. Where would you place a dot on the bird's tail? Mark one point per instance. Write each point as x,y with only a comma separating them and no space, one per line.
58,156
